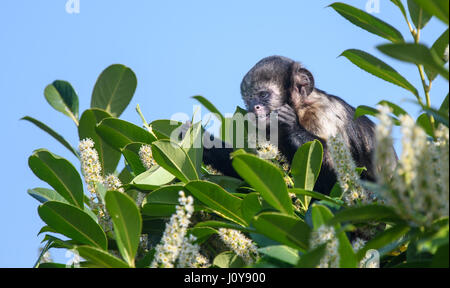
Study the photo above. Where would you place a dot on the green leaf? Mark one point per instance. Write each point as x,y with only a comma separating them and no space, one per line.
208,105
73,223
61,96
315,195
368,22
228,225
396,110
202,233
387,238
131,154
444,106
306,165
419,17
228,183
114,89
284,229
378,68
174,159
52,133
152,179
321,215
424,121
162,201
251,205
365,110
58,173
118,133
43,195
439,48
282,253
366,213
441,258
100,258
312,258
228,259
438,8
399,4
266,178
192,144
127,223
163,129
218,200
108,156
417,54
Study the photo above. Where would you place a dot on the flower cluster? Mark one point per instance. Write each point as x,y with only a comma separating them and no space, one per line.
352,191
267,150
112,182
146,156
241,245
171,244
190,256
419,186
326,235
90,164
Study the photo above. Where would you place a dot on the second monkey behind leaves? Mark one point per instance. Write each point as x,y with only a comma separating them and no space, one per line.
305,113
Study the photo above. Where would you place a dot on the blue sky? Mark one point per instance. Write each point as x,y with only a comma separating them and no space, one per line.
177,49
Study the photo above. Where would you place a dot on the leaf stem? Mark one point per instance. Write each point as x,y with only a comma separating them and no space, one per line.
149,129
426,87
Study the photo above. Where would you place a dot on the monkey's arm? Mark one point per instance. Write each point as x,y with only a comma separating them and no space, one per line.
296,135
293,132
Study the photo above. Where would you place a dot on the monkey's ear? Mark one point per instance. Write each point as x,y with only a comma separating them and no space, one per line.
302,81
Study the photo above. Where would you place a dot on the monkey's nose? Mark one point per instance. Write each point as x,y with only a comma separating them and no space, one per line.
257,107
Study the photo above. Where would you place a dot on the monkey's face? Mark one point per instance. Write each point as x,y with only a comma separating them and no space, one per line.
263,100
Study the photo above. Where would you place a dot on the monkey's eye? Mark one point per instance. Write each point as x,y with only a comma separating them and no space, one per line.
264,94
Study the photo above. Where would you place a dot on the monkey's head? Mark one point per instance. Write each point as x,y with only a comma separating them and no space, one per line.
273,82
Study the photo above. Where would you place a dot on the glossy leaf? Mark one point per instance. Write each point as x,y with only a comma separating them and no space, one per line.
118,133
438,8
58,173
439,48
251,205
282,253
131,154
315,195
266,178
306,165
218,200
152,179
366,213
285,229
378,68
61,96
368,22
100,258
162,201
108,156
114,89
73,223
384,239
417,54
419,16
127,223
163,129
52,133
43,195
174,159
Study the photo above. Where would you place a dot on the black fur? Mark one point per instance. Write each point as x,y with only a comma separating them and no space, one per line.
278,84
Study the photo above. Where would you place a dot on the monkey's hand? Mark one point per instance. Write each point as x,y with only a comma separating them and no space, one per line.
287,118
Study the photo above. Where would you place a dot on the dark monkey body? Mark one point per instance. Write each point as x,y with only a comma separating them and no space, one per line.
305,113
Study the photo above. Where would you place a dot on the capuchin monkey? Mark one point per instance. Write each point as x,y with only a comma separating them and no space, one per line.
305,113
